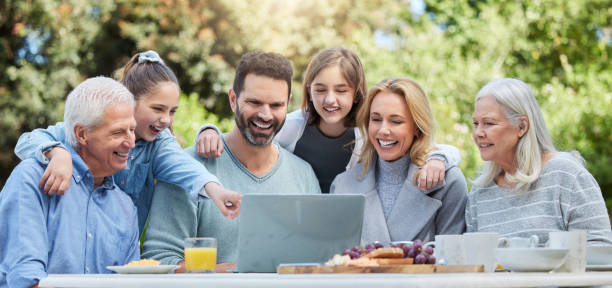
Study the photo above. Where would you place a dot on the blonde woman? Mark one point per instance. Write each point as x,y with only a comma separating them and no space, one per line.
399,126
527,187
323,130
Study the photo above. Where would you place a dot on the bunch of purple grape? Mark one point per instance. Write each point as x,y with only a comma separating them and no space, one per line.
358,251
421,255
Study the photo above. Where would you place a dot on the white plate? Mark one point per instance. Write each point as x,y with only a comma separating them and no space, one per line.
151,269
599,267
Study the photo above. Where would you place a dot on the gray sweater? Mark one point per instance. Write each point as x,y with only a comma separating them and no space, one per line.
416,214
390,177
175,217
565,197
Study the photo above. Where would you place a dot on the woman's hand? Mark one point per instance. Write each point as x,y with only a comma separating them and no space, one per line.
209,144
227,201
56,178
431,174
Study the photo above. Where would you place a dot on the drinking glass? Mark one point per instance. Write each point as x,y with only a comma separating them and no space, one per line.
200,255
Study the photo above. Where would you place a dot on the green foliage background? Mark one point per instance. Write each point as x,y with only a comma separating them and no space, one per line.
562,48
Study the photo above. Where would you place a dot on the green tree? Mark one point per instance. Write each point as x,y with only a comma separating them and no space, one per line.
554,45
44,53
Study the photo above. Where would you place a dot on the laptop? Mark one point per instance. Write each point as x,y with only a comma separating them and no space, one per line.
284,229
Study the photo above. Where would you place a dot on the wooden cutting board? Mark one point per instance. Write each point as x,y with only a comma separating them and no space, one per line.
418,268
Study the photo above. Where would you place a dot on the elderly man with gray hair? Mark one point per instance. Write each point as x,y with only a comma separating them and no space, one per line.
95,224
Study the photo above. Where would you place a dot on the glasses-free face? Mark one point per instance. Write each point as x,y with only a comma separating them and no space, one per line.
332,97
493,133
155,111
105,148
261,108
391,128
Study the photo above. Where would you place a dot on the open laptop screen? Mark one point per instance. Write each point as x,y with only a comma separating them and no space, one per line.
276,229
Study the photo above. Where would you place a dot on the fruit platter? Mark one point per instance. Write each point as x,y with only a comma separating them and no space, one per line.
408,257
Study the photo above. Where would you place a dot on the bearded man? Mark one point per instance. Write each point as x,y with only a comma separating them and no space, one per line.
251,163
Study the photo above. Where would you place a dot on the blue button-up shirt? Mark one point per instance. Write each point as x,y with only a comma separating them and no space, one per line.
81,232
162,159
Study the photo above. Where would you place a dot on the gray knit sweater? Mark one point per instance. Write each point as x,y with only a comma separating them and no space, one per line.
565,197
390,177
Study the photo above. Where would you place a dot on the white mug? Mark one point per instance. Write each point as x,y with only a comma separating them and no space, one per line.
451,248
480,249
519,242
575,241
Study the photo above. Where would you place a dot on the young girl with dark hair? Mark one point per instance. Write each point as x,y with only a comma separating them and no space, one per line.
156,157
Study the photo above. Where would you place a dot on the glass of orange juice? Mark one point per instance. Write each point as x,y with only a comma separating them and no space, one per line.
200,255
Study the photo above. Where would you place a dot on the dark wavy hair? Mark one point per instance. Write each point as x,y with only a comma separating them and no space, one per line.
261,63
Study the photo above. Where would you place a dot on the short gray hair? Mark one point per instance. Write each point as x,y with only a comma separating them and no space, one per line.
517,100
86,104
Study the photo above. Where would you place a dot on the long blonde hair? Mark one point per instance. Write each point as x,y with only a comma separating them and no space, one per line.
418,107
517,100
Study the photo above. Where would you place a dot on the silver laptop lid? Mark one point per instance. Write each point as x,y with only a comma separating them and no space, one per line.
277,229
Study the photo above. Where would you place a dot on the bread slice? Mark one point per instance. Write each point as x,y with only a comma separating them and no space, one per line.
390,252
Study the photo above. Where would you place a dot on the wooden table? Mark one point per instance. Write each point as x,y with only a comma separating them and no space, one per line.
498,279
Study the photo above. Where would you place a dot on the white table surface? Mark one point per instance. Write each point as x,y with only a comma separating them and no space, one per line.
498,279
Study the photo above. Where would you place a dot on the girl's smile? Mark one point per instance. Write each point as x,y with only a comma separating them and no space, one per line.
332,98
155,112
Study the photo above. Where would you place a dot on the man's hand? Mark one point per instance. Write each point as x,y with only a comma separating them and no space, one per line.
226,200
180,269
56,178
209,144
431,174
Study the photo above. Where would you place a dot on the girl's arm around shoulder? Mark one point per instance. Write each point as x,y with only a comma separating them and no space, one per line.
447,153
209,141
35,143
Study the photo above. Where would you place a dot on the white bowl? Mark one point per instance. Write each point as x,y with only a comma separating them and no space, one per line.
530,259
599,255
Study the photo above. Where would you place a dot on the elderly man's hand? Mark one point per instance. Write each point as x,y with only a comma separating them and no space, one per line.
431,174
209,144
56,178
226,200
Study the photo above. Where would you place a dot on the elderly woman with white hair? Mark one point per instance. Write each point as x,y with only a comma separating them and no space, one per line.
527,187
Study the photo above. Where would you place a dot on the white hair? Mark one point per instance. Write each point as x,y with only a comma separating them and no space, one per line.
86,104
517,100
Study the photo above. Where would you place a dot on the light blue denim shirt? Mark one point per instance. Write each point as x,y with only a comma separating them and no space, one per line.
162,159
81,232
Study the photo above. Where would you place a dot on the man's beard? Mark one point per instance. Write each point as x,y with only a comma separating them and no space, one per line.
256,139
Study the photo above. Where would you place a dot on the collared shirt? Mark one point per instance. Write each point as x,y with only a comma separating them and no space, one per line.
162,159
79,233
